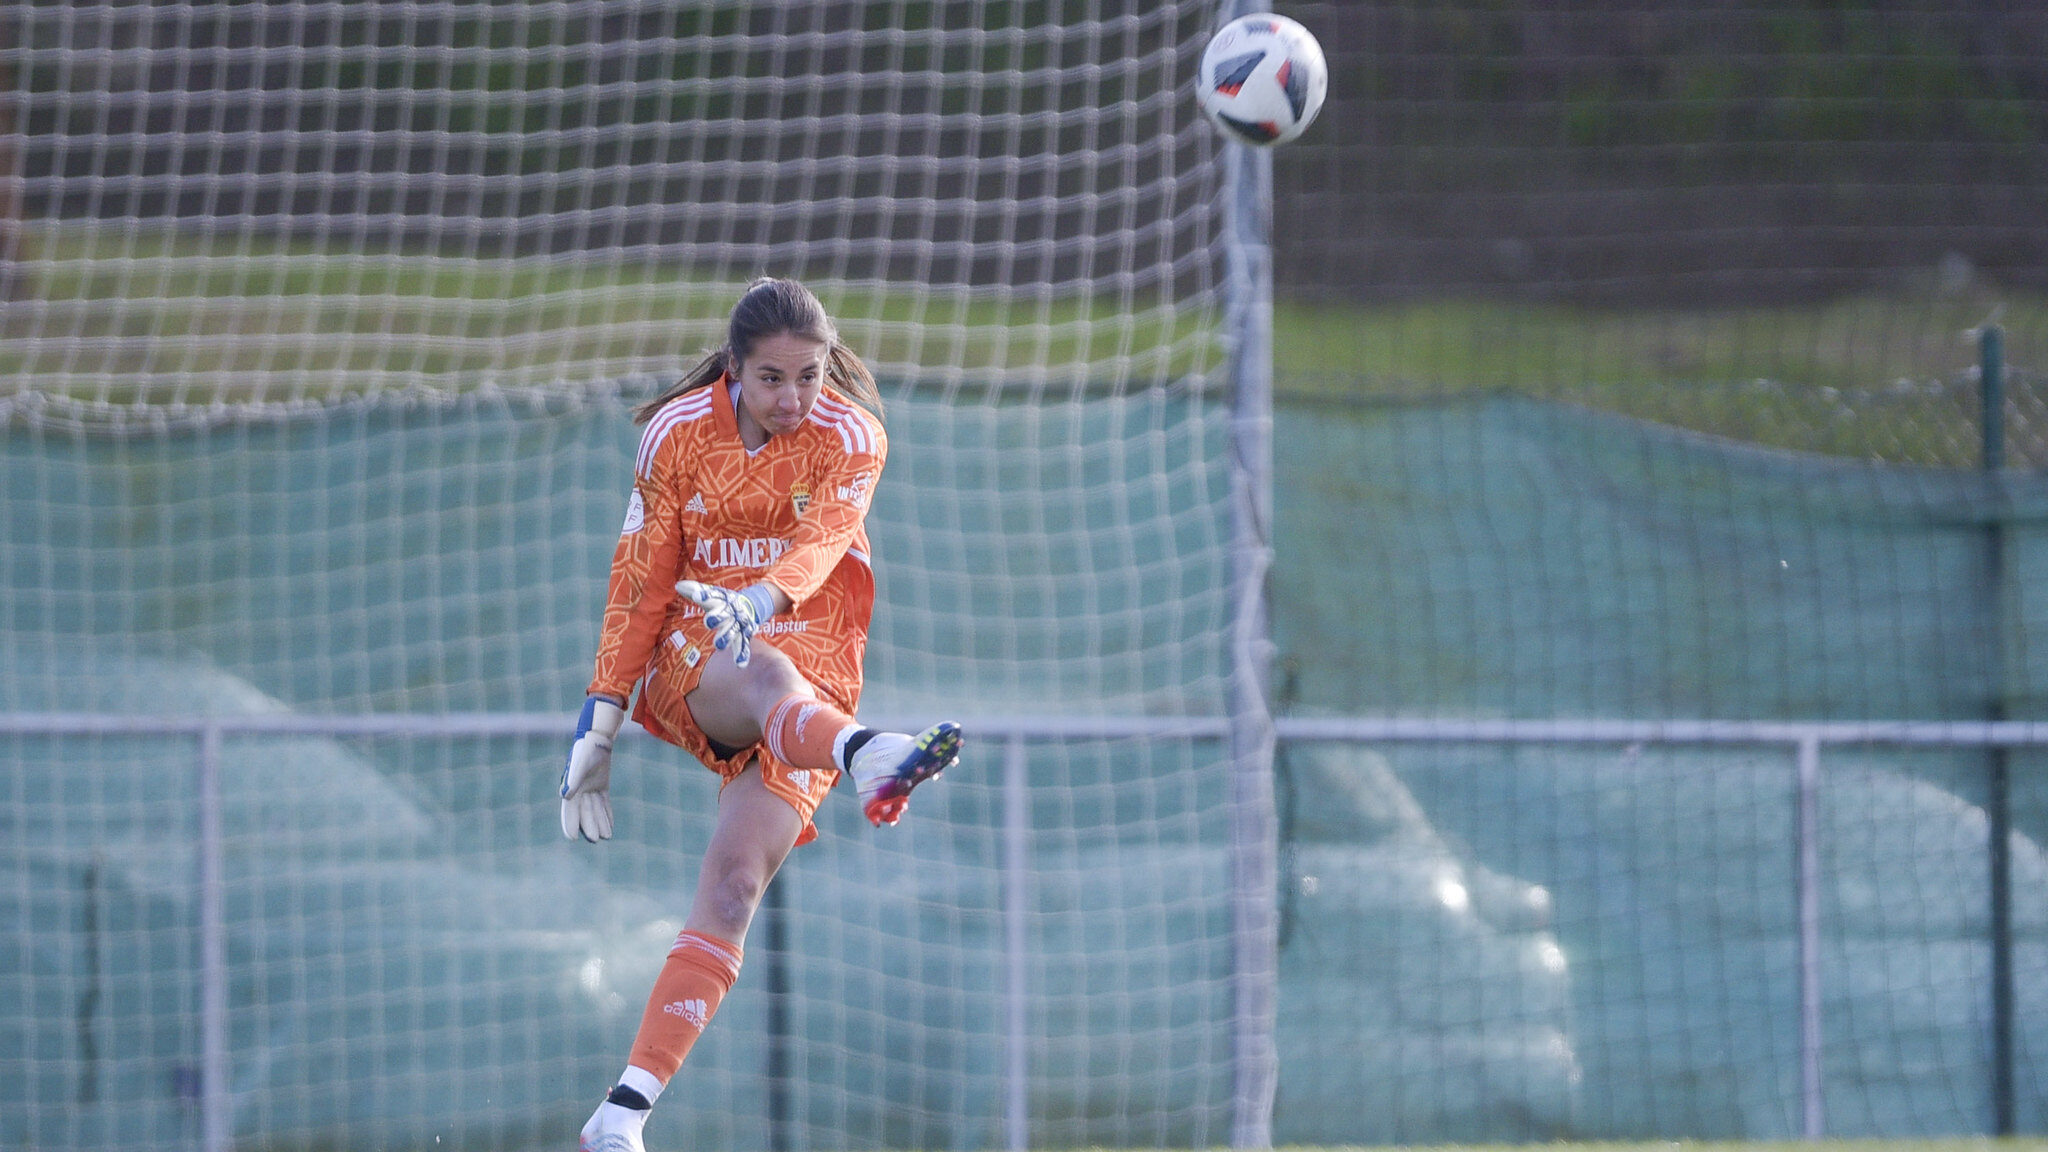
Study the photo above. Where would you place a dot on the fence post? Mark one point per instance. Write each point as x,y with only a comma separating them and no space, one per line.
1016,946
1813,1105
774,920
216,1112
1998,799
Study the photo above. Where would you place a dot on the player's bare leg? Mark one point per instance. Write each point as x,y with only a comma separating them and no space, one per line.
764,700
753,836
755,831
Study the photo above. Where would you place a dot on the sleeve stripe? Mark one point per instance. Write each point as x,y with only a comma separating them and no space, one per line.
823,416
848,422
691,406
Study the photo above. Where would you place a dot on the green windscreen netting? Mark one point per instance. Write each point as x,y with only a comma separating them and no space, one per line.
1495,940
430,551
1506,557
1479,941
401,909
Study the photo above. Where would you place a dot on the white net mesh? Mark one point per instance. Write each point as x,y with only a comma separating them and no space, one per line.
323,323
232,201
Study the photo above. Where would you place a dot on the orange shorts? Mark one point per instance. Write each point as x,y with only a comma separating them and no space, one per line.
664,711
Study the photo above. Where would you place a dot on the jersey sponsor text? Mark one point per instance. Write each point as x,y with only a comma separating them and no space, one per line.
856,493
724,552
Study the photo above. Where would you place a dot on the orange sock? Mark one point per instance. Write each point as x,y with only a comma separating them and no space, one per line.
802,731
699,972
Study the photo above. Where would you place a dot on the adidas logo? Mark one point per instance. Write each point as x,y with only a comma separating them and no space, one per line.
802,779
696,505
692,1010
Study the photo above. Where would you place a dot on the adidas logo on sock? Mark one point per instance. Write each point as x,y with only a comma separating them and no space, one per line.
691,1010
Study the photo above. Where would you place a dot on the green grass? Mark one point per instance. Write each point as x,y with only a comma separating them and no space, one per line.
1852,343
131,316
162,314
1884,376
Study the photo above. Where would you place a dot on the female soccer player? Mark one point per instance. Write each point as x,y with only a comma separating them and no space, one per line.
738,603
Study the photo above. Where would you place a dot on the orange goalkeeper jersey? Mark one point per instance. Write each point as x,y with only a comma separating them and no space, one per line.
704,508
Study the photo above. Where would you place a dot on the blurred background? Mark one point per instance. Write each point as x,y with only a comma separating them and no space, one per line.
1631,366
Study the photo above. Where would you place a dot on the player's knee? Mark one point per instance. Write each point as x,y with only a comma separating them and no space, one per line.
737,891
768,683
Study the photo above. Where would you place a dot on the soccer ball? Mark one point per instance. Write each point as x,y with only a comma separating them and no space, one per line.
1262,79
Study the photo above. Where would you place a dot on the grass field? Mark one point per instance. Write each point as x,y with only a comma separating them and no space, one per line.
154,311
1888,376
155,316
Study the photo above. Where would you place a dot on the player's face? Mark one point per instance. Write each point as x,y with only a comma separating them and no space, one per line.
779,381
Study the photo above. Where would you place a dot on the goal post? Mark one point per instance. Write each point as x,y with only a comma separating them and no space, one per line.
1254,823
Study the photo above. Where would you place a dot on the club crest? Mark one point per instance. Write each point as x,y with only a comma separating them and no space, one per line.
800,496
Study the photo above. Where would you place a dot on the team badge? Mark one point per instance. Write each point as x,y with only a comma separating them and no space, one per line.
799,496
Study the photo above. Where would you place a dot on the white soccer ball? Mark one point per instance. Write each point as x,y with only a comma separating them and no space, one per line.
1262,79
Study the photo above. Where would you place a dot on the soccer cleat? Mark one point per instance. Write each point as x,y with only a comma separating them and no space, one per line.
612,1129
891,764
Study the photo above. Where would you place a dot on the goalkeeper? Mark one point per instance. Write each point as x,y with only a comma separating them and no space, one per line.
738,604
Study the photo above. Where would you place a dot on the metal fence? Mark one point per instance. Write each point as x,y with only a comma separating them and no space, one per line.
1808,743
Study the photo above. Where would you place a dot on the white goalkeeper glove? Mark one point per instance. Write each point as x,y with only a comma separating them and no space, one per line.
587,777
733,617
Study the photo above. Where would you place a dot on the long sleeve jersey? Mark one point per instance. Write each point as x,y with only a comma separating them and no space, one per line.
791,513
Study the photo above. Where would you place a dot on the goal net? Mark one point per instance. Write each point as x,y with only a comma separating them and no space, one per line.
323,325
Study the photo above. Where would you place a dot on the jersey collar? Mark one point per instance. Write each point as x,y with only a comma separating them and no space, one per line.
722,410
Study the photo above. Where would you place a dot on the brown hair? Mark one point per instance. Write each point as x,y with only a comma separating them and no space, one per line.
773,307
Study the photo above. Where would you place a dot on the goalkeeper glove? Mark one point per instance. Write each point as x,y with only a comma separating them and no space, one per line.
587,777
733,617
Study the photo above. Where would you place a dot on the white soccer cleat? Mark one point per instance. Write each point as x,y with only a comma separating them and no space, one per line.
891,764
612,1129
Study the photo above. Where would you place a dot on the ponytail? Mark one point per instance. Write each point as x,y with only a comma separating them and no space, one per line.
708,371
